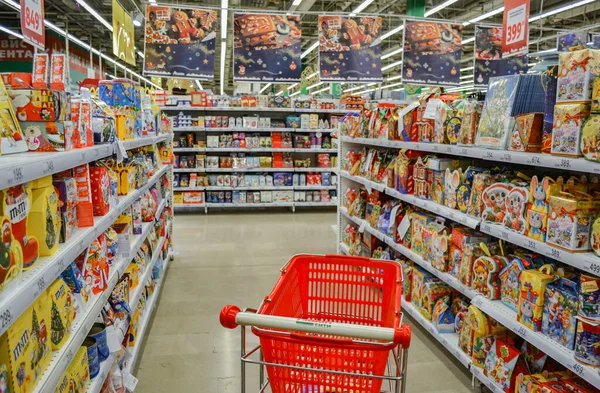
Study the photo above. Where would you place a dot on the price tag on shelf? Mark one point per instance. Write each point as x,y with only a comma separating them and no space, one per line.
534,160
129,381
563,163
6,318
362,227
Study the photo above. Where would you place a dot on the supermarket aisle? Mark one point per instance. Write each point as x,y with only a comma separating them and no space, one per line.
232,258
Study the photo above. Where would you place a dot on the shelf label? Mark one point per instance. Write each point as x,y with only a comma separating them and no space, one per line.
533,160
129,381
554,253
6,318
564,163
362,227
112,339
477,301
48,167
464,151
507,157
595,268
531,244
17,175
488,155
578,369
521,331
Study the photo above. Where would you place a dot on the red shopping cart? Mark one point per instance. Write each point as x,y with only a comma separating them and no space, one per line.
331,324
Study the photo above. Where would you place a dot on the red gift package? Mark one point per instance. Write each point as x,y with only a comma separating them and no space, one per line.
85,214
100,186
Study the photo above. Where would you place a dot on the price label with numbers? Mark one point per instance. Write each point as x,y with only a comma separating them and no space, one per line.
32,24
534,160
6,318
516,28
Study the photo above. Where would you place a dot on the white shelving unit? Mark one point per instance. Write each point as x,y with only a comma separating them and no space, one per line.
254,129
587,262
255,109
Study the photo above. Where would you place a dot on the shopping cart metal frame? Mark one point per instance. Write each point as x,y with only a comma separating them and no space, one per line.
398,361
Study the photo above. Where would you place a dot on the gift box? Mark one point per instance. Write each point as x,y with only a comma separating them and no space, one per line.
48,136
531,296
549,104
486,275
40,105
586,343
126,119
590,138
431,292
85,213
570,221
589,298
561,302
419,223
477,335
436,240
100,188
509,278
44,217
527,133
566,129
292,121
502,365
61,312
576,72
41,71
420,278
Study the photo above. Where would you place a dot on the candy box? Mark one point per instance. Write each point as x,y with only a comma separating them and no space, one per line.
15,208
292,121
502,365
455,256
437,186
516,208
430,293
407,276
561,303
451,183
577,385
419,222
590,138
25,349
462,236
95,268
45,217
442,317
40,105
527,133
468,126
494,201
465,272
422,185
569,221
486,271
537,224
531,296
126,119
478,334
509,278
589,298
100,188
79,371
436,240
567,127
420,278
576,71
48,136
586,343
553,387
61,312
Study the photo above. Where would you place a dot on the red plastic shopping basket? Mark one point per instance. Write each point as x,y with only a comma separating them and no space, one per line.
319,290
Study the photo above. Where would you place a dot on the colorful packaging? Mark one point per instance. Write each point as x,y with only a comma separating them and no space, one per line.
431,292
527,133
85,212
41,70
561,304
12,139
478,334
40,105
100,189
420,278
502,365
80,371
435,245
494,201
45,217
61,312
570,221
549,80
486,271
67,194
567,127
516,207
48,136
531,296
58,71
576,72
16,204
419,222
586,343
95,271
589,298
590,138
442,317
509,278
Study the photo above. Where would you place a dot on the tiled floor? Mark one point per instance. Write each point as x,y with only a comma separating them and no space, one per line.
234,258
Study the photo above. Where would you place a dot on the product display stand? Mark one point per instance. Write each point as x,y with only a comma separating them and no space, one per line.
587,262
292,200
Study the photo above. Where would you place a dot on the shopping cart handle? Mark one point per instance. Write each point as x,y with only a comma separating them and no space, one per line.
231,316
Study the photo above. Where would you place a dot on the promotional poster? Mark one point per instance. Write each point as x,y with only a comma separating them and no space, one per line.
432,53
350,49
180,42
123,30
488,57
566,41
266,48
515,23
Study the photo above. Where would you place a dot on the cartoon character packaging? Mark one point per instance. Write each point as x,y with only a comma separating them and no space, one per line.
431,292
436,240
516,207
503,363
589,298
419,222
561,303
478,334
25,347
531,296
590,138
576,71
100,189
67,206
442,317
494,201
48,136
566,129
509,277
44,216
486,270
420,277
527,133
570,221
40,105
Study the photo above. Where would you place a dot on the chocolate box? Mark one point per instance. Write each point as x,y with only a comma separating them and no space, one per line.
48,136
40,105
567,127
576,71
527,133
570,221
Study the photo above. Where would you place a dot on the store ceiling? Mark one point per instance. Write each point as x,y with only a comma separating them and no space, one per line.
86,27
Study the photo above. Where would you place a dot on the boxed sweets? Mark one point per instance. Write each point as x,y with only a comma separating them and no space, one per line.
40,105
48,136
576,71
44,216
566,129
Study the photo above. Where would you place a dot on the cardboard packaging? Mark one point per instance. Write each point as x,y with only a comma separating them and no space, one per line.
48,136
40,105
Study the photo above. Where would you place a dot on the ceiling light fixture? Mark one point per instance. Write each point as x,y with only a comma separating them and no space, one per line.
359,87
141,54
467,69
387,67
310,49
560,9
391,54
484,16
280,92
9,31
392,32
295,94
314,85
393,78
361,7
138,18
440,7
466,76
224,5
296,3
199,84
95,14
468,40
292,86
320,91
264,88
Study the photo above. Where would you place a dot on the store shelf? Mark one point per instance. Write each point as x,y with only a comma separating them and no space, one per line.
86,318
251,205
507,317
178,150
234,170
275,188
145,141
306,204
180,207
143,279
247,150
96,383
248,129
436,208
344,249
16,298
513,157
182,189
587,261
448,340
169,108
315,187
334,170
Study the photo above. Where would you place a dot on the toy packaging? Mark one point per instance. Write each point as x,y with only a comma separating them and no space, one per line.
100,189
561,303
95,271
570,221
486,272
590,137
509,278
589,298
25,349
67,194
531,296
16,204
61,312
44,216
502,365
567,127
451,183
576,71
12,138
516,207
494,201
586,343
527,133
48,136
40,105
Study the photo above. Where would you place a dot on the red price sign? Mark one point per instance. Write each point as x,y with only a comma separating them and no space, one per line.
516,28
32,22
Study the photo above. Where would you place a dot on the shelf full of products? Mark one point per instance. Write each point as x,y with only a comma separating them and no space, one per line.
504,257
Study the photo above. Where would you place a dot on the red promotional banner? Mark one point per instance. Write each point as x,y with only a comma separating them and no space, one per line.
32,22
516,25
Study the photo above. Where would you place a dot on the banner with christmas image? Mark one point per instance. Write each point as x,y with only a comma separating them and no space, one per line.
564,42
123,34
267,47
180,42
488,60
432,53
350,49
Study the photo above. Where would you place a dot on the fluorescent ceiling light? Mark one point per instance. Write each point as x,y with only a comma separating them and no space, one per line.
560,9
359,87
224,5
468,40
292,86
364,91
310,49
440,7
264,88
387,67
392,32
320,91
393,78
199,84
391,54
402,89
295,94
315,85
140,54
296,3
95,14
485,16
311,75
467,82
466,69
361,7
466,77
392,85
222,67
9,31
280,92
111,76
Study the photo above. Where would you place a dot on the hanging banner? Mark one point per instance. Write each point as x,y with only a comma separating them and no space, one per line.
123,30
564,42
516,25
432,53
180,42
266,48
350,49
32,23
488,57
